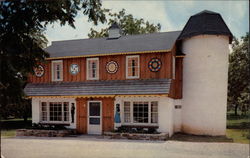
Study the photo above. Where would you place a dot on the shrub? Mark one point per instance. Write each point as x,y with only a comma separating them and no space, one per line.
47,126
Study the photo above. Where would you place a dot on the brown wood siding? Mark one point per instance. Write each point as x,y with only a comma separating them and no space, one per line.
176,85
81,119
145,73
179,77
164,72
107,114
119,75
46,76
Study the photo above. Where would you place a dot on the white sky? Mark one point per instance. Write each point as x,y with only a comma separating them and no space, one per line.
172,15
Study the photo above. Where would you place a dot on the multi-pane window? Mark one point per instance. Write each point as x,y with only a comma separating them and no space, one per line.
154,112
132,66
55,112
92,68
138,112
43,111
57,70
126,112
66,111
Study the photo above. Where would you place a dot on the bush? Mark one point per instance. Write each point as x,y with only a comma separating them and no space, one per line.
47,126
146,130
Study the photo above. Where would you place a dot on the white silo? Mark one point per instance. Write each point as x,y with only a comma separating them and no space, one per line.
205,41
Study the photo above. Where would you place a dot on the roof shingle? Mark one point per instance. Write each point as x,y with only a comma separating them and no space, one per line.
115,87
129,43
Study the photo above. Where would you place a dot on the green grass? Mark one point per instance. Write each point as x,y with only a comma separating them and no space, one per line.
238,127
8,133
238,135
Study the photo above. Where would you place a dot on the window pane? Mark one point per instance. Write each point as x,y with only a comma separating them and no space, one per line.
57,70
43,114
92,68
94,121
154,118
126,112
140,112
154,112
94,109
66,111
56,111
133,66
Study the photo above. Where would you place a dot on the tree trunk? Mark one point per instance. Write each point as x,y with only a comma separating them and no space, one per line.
25,118
235,110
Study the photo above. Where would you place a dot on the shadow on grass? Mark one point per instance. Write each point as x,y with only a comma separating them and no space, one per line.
15,124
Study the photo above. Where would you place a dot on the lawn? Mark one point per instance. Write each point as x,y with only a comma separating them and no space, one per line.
9,127
238,127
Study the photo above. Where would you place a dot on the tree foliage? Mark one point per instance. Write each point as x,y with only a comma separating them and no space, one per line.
22,25
238,76
128,24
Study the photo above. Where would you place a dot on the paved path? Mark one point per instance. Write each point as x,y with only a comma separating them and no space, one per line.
85,147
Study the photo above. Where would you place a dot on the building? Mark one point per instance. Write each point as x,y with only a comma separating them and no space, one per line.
173,81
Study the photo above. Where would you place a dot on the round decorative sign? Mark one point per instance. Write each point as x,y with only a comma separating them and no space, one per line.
39,71
112,67
154,65
74,69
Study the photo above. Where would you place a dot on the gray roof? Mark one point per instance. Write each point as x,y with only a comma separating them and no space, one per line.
129,43
205,22
115,87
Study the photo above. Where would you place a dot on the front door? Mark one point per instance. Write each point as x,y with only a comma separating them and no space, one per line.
94,117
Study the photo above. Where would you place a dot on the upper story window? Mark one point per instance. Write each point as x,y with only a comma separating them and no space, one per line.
132,66
92,69
57,70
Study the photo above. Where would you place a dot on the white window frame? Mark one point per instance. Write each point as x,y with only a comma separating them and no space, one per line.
52,70
48,112
41,112
132,114
132,77
97,69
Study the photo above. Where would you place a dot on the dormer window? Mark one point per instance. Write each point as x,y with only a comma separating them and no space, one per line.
92,68
57,70
132,66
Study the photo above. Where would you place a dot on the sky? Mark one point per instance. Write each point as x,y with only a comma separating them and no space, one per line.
172,15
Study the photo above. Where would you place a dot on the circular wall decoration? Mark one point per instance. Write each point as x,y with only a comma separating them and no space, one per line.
39,71
74,69
112,67
154,65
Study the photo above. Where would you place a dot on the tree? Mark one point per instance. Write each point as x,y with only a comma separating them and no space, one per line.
238,76
128,24
22,25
